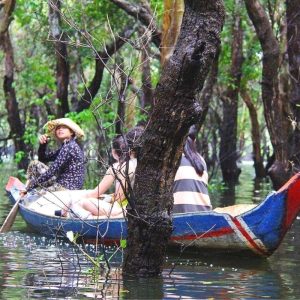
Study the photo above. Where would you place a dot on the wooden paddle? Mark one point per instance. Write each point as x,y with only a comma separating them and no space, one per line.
10,219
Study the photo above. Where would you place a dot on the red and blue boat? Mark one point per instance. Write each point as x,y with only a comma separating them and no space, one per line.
258,231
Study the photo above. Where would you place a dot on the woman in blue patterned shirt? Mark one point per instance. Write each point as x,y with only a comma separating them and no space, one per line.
67,170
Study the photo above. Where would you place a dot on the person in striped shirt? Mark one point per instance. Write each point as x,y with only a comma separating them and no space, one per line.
190,191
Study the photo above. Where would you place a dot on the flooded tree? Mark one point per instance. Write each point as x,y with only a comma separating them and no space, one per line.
275,105
293,48
255,136
228,144
17,129
175,110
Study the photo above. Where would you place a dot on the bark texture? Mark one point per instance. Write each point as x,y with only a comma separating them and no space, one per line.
142,12
175,109
274,107
228,144
255,135
293,47
62,64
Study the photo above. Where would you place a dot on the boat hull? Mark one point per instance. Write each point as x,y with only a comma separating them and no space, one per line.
259,230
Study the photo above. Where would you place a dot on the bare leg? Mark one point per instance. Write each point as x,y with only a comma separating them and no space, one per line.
102,208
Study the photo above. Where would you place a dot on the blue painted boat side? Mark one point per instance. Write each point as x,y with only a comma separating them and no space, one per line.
266,220
112,230
202,223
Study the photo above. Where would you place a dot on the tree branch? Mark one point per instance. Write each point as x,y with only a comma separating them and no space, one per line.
102,58
143,14
6,9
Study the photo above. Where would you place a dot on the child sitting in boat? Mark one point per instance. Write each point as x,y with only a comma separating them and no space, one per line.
190,185
67,170
121,174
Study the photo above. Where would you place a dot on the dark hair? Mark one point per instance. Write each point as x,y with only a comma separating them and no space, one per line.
119,144
79,143
191,152
133,137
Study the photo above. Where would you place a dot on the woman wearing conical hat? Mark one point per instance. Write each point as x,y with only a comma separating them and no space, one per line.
67,170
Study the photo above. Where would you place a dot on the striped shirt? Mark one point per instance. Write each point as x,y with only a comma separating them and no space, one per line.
190,190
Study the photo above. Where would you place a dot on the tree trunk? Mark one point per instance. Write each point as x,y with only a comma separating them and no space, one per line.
207,92
122,82
228,145
293,47
62,64
147,90
6,9
76,75
276,119
255,135
175,110
16,127
120,116
172,18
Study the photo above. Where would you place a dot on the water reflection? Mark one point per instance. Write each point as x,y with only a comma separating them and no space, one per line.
248,190
144,288
35,267
42,268
222,283
228,196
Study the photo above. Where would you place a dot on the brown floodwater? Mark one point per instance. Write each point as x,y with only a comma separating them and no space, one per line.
33,266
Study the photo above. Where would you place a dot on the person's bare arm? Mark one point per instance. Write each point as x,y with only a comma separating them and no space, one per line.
106,182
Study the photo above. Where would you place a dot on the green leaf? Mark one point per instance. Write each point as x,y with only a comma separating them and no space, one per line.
19,156
123,244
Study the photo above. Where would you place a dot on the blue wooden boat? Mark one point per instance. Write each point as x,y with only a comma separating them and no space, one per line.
259,230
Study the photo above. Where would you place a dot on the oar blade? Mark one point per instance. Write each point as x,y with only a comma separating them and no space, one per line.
10,219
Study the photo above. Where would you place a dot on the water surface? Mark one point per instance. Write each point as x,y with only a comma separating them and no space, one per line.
33,266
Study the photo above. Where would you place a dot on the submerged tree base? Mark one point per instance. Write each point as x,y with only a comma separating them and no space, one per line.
153,234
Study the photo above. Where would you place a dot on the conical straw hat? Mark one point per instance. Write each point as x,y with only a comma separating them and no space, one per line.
50,126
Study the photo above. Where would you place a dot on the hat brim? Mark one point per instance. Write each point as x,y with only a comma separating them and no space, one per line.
50,127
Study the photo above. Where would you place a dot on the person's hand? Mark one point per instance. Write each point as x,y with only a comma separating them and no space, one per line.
43,139
22,193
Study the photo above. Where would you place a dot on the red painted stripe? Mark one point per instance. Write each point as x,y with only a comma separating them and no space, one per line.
12,181
246,235
292,188
293,205
209,234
